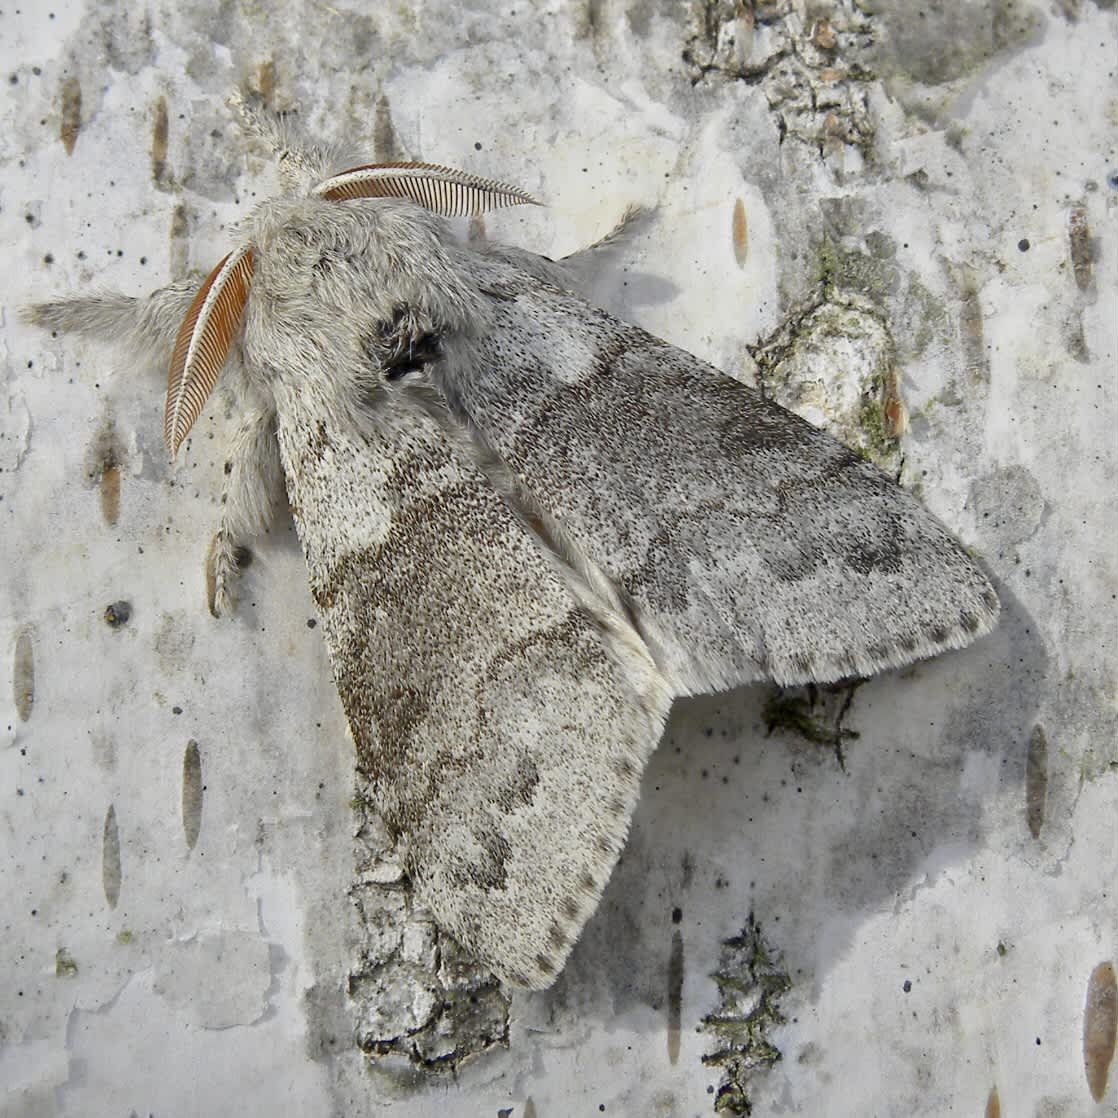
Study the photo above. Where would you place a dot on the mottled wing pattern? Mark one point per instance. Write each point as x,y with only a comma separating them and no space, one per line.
746,544
503,727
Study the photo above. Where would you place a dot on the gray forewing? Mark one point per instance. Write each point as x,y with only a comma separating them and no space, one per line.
502,732
745,543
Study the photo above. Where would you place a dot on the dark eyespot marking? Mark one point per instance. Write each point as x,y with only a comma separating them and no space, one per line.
422,351
404,344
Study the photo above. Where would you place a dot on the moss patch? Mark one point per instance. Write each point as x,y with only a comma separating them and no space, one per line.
64,965
751,981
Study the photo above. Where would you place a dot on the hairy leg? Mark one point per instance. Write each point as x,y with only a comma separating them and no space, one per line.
578,271
145,326
298,161
584,263
254,488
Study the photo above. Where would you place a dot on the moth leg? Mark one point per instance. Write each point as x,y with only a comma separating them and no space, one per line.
254,487
578,271
586,262
146,325
296,160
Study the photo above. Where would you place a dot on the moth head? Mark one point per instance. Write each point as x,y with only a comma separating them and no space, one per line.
214,317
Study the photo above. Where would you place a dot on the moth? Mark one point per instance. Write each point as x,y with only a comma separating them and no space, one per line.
528,525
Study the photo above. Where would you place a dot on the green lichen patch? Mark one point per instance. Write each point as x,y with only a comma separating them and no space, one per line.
814,714
853,263
833,363
64,965
751,981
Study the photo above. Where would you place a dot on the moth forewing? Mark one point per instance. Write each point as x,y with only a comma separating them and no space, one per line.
745,543
501,726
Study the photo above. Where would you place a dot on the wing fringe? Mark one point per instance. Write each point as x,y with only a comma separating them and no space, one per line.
202,343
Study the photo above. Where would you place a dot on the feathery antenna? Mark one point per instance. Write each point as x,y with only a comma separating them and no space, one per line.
442,190
203,343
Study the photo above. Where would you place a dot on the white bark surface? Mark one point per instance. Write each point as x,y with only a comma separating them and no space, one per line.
926,199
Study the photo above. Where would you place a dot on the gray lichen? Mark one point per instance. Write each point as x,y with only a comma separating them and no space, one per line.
421,1004
814,71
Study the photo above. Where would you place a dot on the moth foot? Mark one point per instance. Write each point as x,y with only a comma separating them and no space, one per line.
224,565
